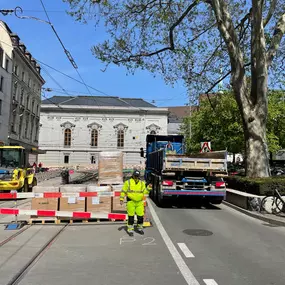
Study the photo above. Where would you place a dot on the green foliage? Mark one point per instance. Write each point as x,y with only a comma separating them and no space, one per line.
223,126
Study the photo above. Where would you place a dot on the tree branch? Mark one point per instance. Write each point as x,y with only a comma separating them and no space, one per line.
171,37
227,30
276,39
270,12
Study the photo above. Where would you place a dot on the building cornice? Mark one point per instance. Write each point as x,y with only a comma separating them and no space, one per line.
83,109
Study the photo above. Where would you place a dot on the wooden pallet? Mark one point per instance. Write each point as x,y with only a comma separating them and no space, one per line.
68,221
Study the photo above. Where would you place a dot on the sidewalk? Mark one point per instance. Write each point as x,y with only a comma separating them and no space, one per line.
269,218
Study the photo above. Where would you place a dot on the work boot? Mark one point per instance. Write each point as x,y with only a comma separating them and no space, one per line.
140,230
131,233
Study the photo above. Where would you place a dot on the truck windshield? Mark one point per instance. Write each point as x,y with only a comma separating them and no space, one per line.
10,157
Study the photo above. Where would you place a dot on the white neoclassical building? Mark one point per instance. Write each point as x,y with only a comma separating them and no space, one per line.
74,130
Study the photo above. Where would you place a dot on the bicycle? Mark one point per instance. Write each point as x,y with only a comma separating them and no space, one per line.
273,204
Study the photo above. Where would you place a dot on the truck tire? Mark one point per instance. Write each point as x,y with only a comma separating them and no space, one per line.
216,202
34,183
25,187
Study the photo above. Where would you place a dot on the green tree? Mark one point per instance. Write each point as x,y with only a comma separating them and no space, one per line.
194,41
223,124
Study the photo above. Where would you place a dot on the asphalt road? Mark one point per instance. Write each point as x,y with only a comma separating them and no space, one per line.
186,246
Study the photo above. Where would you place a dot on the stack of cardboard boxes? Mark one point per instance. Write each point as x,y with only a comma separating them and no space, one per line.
110,168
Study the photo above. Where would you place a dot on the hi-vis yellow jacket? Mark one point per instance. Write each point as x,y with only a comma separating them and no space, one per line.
134,191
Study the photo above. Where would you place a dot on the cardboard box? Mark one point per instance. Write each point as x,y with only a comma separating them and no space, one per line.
116,206
44,204
110,168
99,204
42,189
72,204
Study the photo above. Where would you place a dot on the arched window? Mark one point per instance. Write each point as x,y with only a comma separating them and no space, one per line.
94,138
120,138
67,137
153,132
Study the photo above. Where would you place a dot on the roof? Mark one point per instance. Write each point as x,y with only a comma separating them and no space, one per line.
99,101
176,114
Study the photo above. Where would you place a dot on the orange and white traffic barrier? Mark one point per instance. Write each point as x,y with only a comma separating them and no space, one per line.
63,214
59,195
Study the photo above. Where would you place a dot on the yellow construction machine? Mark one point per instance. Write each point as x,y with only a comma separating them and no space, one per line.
16,173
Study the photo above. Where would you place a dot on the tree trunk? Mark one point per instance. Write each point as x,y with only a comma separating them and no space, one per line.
257,161
254,124
234,158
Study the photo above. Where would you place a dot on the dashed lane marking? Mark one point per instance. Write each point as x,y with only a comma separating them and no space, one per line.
185,250
184,269
210,282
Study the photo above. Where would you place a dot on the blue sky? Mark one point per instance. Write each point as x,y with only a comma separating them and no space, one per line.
78,39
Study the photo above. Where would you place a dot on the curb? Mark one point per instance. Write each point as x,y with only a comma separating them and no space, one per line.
256,216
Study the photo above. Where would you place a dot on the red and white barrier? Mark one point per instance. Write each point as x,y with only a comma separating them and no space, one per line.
58,195
63,214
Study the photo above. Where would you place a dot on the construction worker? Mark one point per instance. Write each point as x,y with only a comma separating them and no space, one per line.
135,189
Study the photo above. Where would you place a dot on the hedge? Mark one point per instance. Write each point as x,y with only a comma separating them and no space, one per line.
257,186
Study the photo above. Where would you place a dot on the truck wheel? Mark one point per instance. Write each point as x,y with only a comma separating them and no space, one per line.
216,202
34,183
25,187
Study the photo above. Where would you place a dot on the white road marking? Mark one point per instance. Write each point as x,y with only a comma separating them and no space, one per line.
185,271
185,250
210,282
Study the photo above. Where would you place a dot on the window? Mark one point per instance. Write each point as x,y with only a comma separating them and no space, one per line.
15,91
120,138
33,105
16,69
20,126
94,138
27,126
23,75
1,83
14,119
1,57
0,107
66,159
153,132
22,96
7,64
67,138
28,102
29,82
93,159
32,127
37,113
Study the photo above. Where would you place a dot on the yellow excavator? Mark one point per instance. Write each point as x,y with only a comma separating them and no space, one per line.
15,171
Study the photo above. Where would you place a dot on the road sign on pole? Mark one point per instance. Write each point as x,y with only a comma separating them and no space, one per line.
205,147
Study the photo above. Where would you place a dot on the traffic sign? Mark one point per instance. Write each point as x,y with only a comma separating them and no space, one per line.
205,147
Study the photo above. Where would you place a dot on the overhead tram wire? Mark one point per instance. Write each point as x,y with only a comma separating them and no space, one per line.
71,59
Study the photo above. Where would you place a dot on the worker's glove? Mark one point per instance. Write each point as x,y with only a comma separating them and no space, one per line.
149,186
121,202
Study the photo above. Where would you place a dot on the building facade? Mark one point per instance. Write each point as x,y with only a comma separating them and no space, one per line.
6,54
23,84
75,129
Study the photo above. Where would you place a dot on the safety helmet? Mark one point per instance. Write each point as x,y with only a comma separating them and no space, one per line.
136,173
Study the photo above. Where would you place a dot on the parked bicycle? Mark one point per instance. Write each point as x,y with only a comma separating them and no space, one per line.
273,204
